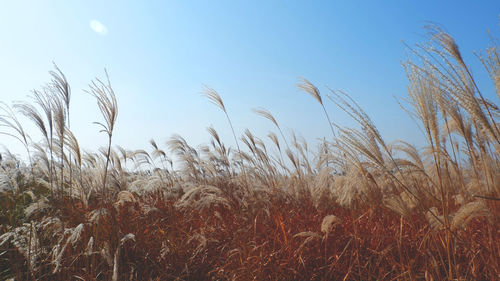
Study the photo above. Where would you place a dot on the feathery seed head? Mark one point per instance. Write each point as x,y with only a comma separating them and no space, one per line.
309,88
329,222
214,97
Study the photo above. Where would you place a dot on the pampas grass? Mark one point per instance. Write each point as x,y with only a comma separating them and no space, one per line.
108,105
309,88
355,208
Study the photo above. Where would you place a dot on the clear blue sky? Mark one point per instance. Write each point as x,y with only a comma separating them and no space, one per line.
160,53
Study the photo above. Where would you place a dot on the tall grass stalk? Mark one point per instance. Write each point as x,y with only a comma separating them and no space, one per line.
62,89
215,98
106,101
9,120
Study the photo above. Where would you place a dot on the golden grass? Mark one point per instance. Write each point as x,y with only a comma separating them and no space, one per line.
358,208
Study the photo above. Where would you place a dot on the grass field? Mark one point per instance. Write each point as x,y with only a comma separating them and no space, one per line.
271,208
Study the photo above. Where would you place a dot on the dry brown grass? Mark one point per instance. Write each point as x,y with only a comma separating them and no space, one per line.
359,208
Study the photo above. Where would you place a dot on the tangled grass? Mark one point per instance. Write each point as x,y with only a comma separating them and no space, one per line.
358,208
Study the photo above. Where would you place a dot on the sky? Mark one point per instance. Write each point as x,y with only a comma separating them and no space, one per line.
160,54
